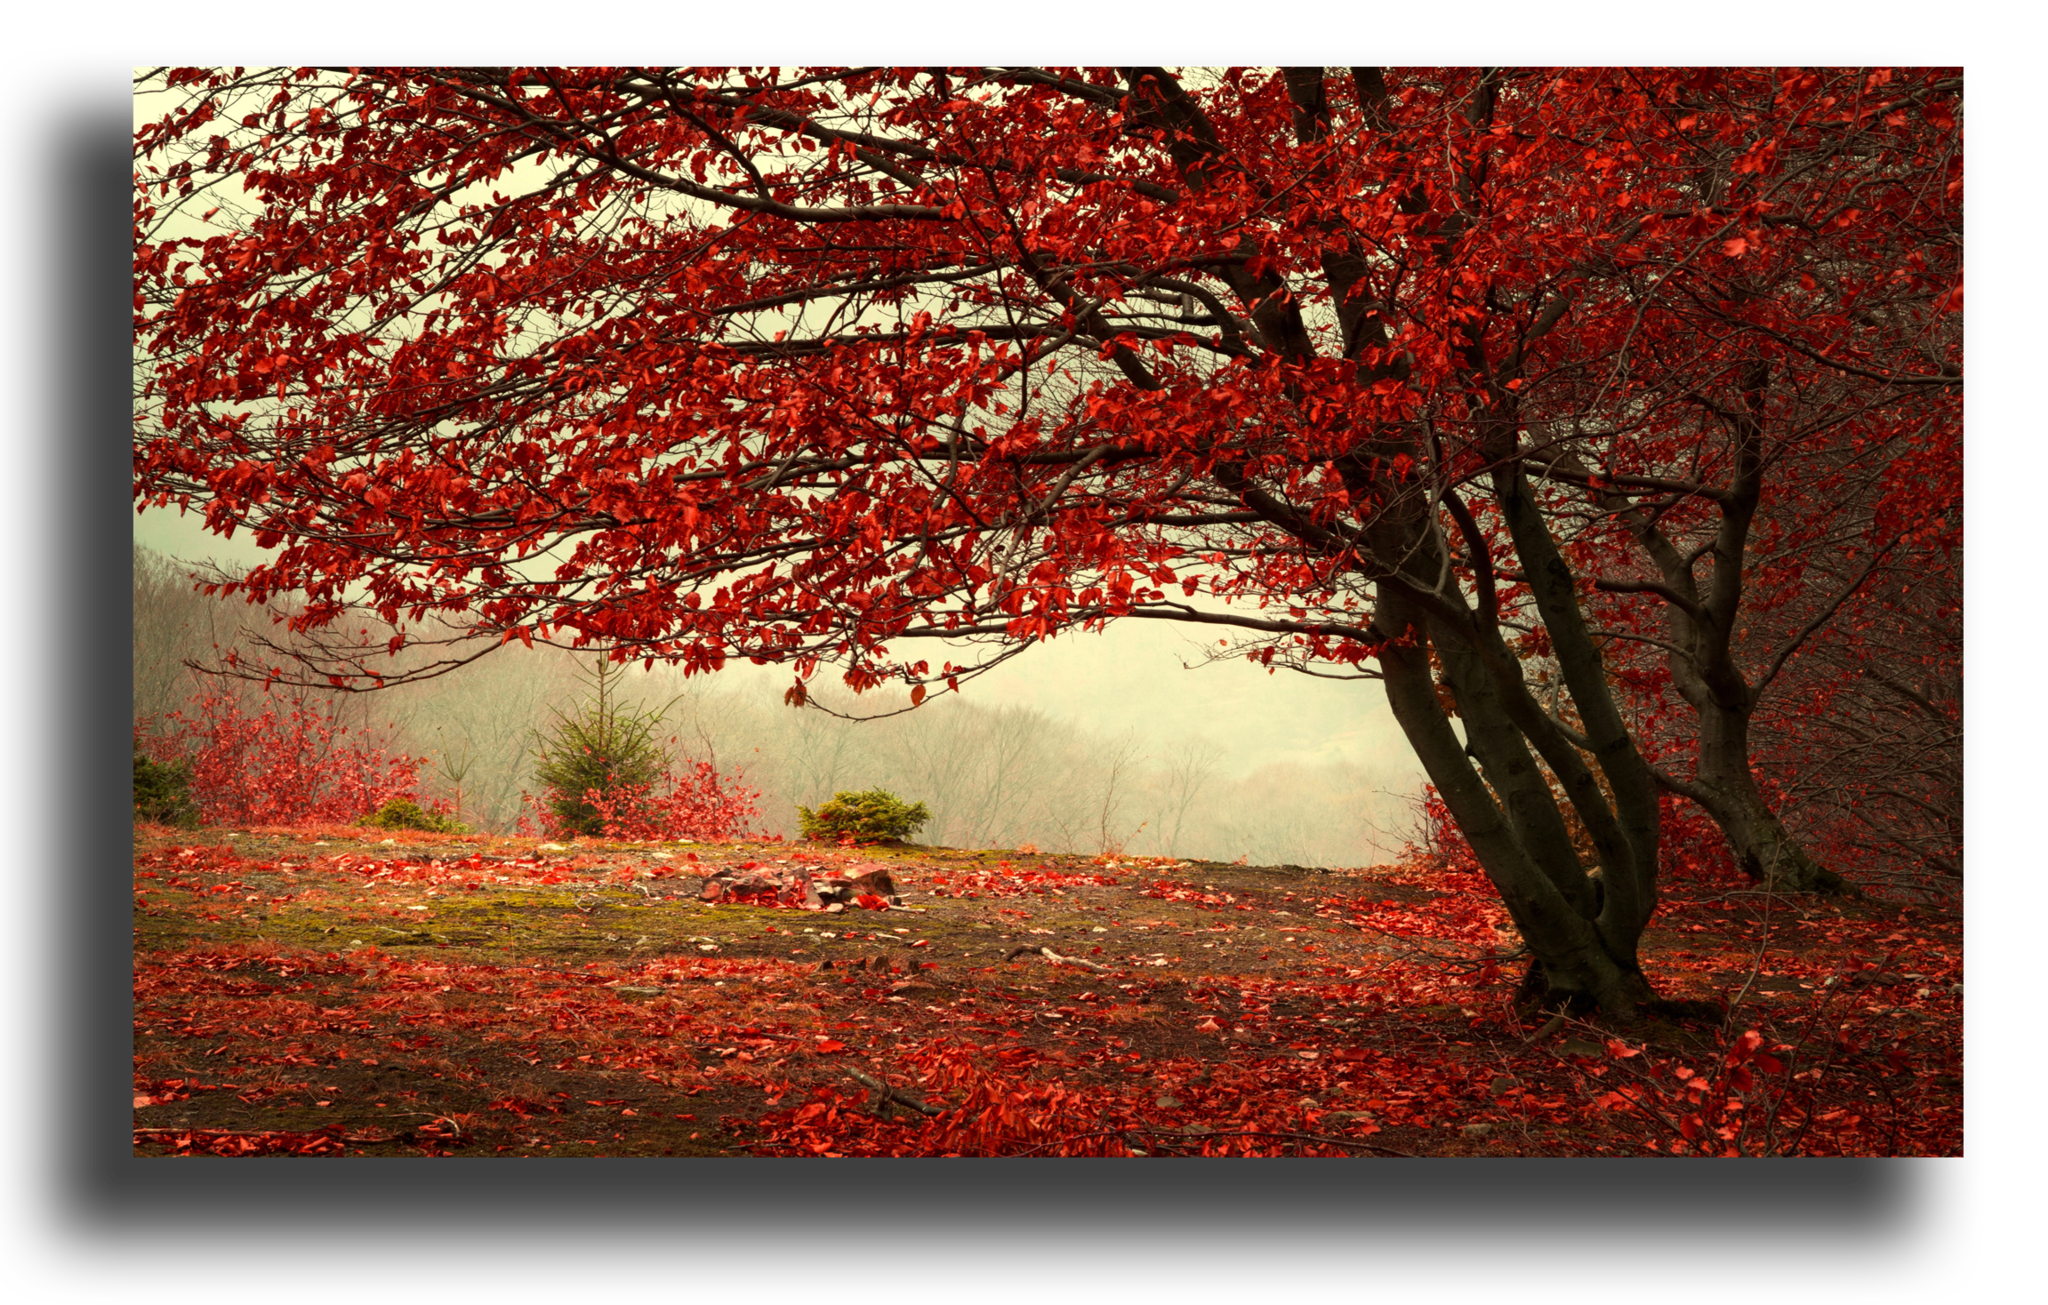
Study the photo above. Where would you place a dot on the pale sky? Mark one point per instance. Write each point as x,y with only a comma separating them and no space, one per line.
1129,677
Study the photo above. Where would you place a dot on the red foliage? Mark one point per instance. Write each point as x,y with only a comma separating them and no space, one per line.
285,765
695,802
1853,1053
807,365
1533,247
1005,880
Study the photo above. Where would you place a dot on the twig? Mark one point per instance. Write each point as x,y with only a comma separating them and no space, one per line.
1055,958
1058,959
891,1094
1556,1023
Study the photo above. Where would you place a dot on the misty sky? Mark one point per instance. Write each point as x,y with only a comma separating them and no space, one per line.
1129,677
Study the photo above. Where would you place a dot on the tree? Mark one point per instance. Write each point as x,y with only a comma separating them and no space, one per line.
1190,764
1869,754
689,364
599,762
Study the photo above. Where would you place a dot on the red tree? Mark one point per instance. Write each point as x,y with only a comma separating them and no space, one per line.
695,363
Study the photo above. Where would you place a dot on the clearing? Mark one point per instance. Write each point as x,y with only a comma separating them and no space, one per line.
335,992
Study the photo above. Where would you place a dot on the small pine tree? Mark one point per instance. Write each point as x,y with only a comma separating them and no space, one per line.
867,816
603,750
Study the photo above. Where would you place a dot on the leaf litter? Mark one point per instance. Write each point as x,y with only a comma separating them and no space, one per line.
310,993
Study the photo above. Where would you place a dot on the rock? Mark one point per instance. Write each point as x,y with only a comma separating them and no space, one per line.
1476,1130
825,894
874,881
820,893
1500,1085
732,884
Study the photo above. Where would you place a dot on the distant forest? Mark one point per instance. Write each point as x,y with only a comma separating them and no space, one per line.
993,776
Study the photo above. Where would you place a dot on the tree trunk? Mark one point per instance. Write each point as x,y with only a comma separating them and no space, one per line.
1582,931
1573,967
1702,658
1726,789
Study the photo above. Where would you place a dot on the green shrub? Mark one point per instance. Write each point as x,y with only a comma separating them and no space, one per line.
866,816
402,813
162,792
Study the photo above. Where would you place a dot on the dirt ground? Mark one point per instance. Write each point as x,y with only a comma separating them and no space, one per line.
321,992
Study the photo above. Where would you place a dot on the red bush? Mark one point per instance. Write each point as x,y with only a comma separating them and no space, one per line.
286,765
697,803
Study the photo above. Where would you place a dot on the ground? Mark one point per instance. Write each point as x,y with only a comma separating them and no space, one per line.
337,992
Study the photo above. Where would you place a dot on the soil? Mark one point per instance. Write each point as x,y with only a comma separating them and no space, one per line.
327,992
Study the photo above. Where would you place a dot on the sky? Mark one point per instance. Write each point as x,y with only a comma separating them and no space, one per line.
1134,676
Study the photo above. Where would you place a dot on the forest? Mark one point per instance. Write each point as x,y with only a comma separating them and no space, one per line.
1603,423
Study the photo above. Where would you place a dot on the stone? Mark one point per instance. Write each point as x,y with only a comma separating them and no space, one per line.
817,894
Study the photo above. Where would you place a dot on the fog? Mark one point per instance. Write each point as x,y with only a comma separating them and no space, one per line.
1088,744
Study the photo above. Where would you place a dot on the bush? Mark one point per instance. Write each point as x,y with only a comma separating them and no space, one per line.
693,802
864,817
291,763
403,813
163,792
